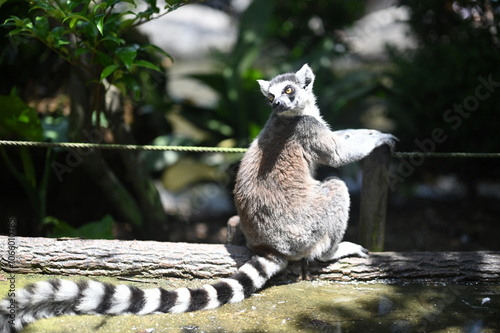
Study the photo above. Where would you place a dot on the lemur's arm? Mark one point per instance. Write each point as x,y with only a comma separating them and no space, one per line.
346,146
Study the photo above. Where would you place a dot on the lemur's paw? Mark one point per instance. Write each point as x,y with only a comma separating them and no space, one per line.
387,139
348,249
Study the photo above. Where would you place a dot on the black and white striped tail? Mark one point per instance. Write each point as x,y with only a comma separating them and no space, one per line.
58,297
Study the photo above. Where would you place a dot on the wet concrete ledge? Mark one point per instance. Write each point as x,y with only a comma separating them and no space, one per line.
306,306
389,292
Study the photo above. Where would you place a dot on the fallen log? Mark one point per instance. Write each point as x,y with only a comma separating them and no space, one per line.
182,260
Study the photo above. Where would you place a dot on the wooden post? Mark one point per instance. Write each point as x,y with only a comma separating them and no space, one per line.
374,192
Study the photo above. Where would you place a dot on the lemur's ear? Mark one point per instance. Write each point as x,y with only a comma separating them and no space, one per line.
264,87
305,76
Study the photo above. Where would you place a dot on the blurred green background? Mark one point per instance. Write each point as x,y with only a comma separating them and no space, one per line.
426,71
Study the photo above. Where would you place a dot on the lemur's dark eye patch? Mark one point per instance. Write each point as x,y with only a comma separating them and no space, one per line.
270,97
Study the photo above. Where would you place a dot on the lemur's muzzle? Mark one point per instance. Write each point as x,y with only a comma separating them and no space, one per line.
279,105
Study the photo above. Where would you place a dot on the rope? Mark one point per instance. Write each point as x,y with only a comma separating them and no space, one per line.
445,155
76,145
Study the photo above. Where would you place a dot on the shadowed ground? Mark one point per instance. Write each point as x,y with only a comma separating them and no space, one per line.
307,306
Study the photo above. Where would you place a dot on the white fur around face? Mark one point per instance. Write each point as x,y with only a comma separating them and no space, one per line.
304,101
306,77
264,87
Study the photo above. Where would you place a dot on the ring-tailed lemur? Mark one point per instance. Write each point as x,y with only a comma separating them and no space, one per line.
285,214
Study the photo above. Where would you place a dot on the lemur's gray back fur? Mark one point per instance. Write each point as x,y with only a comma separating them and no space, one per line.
285,213
281,206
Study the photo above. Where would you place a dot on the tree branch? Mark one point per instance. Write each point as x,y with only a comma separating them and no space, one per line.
182,260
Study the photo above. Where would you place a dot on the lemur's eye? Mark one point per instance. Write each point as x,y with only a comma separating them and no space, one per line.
270,98
288,90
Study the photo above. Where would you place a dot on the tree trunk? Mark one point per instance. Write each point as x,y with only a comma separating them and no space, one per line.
143,208
182,260
146,194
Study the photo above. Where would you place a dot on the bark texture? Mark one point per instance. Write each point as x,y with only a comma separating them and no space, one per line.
183,260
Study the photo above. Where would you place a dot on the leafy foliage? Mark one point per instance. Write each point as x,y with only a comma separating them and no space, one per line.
92,230
240,112
286,35
88,33
18,120
91,37
440,84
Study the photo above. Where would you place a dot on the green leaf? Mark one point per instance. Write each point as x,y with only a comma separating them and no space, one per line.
81,50
151,9
21,31
72,4
73,22
15,21
100,24
125,24
115,39
173,5
77,17
128,82
88,31
41,27
43,5
58,32
147,64
127,54
56,37
102,229
104,59
100,7
108,71
61,42
18,120
154,48
134,87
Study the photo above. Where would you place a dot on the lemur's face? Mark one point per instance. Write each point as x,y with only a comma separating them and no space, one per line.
289,93
286,96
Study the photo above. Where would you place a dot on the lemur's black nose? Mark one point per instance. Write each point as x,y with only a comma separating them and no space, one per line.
278,104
